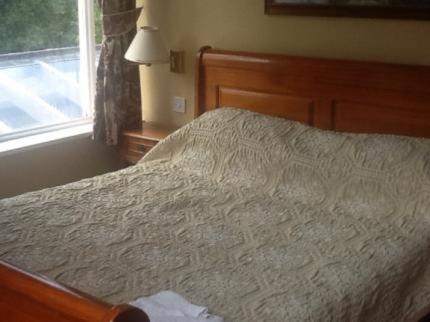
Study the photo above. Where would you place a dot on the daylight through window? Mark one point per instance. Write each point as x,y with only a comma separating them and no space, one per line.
47,64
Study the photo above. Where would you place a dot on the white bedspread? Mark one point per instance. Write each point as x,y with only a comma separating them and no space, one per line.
257,218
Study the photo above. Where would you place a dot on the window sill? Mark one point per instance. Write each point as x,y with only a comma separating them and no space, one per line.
43,139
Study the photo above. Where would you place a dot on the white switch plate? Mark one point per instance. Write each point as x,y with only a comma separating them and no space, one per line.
179,104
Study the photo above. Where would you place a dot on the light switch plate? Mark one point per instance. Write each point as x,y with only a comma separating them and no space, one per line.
179,104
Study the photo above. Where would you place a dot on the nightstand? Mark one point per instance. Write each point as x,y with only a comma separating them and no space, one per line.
136,143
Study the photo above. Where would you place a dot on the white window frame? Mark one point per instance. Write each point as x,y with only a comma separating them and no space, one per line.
87,49
87,81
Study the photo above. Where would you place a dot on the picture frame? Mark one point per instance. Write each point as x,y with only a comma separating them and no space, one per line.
397,9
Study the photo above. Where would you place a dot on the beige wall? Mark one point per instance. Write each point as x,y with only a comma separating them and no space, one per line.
54,164
242,25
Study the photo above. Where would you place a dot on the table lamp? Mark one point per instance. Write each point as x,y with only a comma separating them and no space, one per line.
147,47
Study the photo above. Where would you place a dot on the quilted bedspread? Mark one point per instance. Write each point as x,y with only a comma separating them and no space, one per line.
259,218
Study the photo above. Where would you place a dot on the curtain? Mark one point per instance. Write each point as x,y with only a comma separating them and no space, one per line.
117,103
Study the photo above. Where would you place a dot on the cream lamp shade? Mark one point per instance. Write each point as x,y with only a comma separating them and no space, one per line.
147,47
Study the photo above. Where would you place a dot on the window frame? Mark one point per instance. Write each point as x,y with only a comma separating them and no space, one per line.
87,81
87,52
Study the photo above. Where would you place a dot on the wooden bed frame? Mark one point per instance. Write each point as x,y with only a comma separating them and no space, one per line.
329,94
28,297
345,96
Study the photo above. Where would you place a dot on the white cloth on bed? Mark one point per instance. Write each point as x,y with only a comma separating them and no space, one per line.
168,306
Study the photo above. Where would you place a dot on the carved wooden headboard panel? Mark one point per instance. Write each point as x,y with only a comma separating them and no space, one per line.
348,96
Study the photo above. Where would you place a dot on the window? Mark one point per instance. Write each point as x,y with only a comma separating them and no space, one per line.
48,58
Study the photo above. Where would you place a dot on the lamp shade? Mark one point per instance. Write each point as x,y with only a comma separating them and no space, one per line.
147,47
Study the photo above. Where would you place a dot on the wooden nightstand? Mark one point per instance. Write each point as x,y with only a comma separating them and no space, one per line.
136,143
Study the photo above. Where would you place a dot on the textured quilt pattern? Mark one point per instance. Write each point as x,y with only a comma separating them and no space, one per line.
259,218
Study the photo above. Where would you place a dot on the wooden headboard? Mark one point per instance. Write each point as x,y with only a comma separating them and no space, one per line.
347,96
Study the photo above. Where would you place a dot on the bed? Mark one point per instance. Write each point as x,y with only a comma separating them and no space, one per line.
258,217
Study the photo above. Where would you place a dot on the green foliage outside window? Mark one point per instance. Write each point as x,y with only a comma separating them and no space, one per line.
98,22
41,24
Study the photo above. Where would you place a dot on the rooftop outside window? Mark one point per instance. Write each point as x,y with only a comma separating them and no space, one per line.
47,64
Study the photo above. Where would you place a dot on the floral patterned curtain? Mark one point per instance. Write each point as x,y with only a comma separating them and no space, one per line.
117,103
